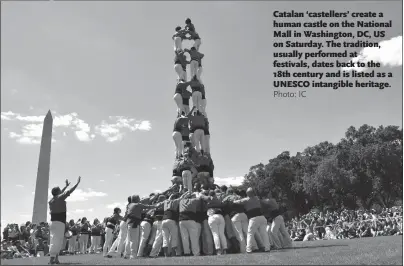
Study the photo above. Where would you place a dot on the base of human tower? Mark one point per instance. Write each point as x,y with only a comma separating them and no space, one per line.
192,169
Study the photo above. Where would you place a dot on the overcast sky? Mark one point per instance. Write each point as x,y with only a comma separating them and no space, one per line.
105,70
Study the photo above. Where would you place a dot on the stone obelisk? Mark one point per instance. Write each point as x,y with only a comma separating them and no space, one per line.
42,180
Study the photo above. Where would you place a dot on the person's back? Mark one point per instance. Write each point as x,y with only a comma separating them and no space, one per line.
171,209
187,208
181,125
197,121
134,212
252,206
215,206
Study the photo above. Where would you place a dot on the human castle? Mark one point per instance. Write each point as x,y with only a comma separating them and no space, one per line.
193,162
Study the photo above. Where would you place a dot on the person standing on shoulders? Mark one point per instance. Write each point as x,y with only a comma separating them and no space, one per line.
196,128
178,37
57,207
190,28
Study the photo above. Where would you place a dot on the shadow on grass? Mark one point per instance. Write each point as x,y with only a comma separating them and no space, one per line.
323,246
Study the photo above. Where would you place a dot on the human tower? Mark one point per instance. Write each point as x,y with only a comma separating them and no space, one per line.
193,162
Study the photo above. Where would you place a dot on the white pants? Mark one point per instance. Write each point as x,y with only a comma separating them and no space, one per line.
197,100
72,243
197,43
240,225
57,234
280,235
177,43
158,240
170,233
132,243
258,225
177,137
189,231
217,224
95,243
83,243
187,180
109,236
40,254
193,68
199,139
119,243
145,229
180,72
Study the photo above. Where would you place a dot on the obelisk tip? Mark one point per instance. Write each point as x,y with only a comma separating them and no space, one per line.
48,115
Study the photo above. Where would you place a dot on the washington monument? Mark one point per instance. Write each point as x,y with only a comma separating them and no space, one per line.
42,179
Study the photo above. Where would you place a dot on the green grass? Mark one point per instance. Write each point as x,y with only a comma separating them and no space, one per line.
365,251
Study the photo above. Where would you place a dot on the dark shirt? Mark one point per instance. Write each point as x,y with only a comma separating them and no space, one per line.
57,207
181,125
196,122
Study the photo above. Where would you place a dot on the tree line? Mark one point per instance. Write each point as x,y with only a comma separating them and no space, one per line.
363,170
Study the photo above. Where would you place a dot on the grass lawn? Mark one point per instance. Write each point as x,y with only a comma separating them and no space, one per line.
365,251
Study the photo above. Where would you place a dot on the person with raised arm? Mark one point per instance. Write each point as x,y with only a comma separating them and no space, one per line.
181,133
178,36
57,207
180,65
196,62
196,127
190,28
180,88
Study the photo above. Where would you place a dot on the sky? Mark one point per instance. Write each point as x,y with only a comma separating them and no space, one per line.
105,70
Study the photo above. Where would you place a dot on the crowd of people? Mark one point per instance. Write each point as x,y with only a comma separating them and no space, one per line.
209,221
173,223
346,224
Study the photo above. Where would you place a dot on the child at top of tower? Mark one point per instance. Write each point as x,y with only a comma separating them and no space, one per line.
190,28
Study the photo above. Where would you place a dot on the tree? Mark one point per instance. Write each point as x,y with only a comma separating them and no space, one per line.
362,169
